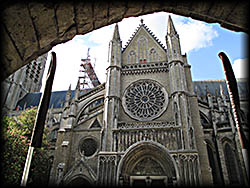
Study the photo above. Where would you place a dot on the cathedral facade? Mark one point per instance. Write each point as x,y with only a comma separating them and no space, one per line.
149,124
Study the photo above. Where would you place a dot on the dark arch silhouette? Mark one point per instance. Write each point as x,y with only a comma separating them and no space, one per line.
30,29
79,182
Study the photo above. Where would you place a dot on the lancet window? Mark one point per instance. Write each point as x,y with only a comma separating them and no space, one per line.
142,49
153,55
131,57
176,113
231,164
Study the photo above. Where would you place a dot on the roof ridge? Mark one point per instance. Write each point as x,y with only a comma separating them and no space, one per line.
150,33
153,35
218,80
131,38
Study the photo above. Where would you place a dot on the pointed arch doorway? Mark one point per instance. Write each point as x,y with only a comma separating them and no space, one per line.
147,164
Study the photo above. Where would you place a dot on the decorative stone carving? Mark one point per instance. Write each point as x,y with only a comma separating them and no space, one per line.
145,100
188,167
138,125
60,168
168,137
145,68
107,165
148,166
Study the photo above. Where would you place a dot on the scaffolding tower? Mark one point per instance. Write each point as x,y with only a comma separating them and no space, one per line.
88,77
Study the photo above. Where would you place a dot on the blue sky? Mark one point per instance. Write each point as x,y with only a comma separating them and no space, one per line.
201,41
205,62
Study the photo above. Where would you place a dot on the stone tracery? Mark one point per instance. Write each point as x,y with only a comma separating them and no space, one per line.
145,100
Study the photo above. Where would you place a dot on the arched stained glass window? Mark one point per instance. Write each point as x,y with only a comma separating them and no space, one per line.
142,49
231,164
131,57
153,55
213,165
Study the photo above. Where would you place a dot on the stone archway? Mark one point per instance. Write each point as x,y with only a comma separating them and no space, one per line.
30,29
147,162
78,181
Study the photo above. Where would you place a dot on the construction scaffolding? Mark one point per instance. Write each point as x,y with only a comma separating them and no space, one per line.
88,77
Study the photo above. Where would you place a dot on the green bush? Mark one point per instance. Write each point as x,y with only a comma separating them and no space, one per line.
16,135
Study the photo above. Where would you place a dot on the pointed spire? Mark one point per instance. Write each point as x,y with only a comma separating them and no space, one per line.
78,85
52,107
221,90
77,90
69,88
171,28
68,96
116,35
216,92
196,90
207,90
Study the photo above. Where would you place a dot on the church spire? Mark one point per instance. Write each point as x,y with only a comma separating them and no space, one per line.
68,96
112,95
173,42
77,90
171,29
116,35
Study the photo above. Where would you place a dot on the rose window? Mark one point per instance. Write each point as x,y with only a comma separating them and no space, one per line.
145,100
88,147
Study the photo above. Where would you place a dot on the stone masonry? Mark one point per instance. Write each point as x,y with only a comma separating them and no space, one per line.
32,29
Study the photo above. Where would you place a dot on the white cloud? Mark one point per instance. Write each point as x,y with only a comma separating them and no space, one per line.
68,64
100,57
99,52
102,35
240,68
193,36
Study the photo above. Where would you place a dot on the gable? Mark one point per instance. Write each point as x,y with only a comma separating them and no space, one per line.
143,48
96,124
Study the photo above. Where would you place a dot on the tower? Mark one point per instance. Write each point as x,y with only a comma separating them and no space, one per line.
112,95
184,102
25,80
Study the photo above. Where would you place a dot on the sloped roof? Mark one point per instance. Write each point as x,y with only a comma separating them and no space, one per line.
149,32
213,86
57,99
32,99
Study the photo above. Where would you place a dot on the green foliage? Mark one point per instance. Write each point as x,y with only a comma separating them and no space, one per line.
16,135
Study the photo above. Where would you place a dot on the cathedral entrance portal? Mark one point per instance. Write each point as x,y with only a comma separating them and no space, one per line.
147,164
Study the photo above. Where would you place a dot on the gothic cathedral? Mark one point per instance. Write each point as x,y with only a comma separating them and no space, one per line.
142,127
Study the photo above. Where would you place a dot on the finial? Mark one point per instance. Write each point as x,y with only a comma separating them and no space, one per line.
171,28
116,35
207,90
141,21
69,87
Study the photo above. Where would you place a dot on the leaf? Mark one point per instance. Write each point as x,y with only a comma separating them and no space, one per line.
15,147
